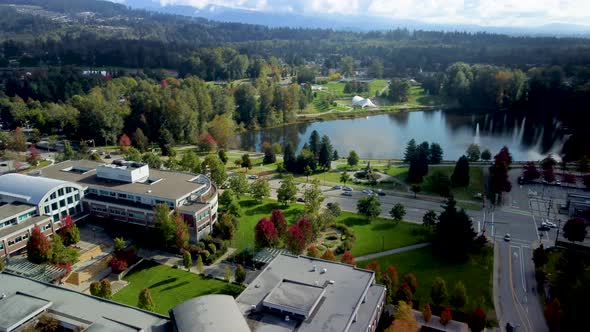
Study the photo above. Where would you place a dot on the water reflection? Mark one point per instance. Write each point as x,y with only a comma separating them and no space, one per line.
385,136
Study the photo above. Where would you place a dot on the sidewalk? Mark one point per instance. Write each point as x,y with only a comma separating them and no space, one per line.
391,252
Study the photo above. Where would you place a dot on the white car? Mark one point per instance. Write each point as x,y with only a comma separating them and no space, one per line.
368,192
346,193
549,224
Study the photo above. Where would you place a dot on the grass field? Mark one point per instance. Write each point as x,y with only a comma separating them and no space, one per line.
476,184
381,234
337,89
169,286
476,274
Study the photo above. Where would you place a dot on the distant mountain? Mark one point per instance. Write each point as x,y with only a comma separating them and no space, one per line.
344,22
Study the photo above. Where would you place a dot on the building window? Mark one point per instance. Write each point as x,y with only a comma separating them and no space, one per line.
68,190
62,203
56,217
52,196
70,200
72,211
60,191
47,209
54,206
1,246
10,242
64,214
77,197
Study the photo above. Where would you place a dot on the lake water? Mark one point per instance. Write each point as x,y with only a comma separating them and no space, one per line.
385,136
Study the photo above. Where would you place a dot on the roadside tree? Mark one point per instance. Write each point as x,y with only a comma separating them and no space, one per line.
260,189
397,212
575,230
473,152
287,192
460,177
353,159
239,184
369,206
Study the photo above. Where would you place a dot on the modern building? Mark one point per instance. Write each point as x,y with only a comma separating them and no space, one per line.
24,301
208,313
577,205
122,191
299,293
26,201
361,102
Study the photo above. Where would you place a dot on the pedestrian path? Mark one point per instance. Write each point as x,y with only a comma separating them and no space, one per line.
391,252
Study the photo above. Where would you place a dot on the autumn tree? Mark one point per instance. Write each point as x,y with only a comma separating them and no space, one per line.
223,130
306,228
124,142
265,233
427,313
530,172
499,181
145,300
390,280
17,141
328,255
553,314
477,320
405,320
411,281
164,225
295,240
38,247
69,231
404,293
34,156
347,258
312,251
207,142
375,267
446,316
279,221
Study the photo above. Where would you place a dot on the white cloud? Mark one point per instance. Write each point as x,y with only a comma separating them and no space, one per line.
483,12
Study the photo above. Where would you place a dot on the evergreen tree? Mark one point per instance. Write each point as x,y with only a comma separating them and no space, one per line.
454,235
436,153
411,150
289,158
353,159
325,153
315,143
335,155
460,177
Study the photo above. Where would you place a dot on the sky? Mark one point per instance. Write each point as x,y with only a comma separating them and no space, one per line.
501,13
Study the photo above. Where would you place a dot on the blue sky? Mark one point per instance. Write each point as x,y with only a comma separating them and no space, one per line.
510,13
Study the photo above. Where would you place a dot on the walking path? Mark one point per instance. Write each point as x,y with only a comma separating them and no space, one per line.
391,252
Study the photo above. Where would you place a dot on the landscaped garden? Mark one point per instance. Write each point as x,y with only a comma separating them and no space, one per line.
377,235
169,286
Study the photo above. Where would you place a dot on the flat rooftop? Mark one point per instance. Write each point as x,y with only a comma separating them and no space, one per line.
5,231
295,297
18,308
8,210
343,290
81,307
171,185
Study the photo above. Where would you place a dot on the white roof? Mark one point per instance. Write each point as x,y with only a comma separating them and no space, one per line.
362,102
30,189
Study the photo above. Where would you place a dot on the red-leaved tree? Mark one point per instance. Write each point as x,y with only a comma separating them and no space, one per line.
34,156
499,172
553,315
375,267
307,229
118,265
278,219
38,247
347,258
295,240
124,142
427,313
69,231
390,280
207,142
265,233
313,251
181,234
446,316
530,172
477,321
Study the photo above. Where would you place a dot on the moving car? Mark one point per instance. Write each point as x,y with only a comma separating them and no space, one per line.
381,192
252,177
368,192
544,227
301,200
347,189
337,187
346,193
548,224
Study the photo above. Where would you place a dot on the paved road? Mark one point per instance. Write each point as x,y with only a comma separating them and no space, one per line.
391,252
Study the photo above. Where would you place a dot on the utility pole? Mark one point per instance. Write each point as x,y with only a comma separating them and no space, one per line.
558,229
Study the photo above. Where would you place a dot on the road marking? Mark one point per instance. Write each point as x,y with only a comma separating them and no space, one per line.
518,305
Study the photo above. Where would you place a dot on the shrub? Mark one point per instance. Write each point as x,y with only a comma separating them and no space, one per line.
477,320
427,313
118,265
328,255
212,248
240,274
145,300
446,316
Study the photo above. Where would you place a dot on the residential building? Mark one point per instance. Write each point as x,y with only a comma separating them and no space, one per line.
24,301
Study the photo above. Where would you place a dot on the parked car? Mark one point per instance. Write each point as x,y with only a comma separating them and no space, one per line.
548,224
347,189
337,187
507,237
300,199
381,193
252,177
544,228
368,192
347,193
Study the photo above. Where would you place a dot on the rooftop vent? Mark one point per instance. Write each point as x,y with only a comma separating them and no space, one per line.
287,318
314,268
324,270
331,282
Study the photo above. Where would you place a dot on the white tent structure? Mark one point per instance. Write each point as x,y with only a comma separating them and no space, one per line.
362,102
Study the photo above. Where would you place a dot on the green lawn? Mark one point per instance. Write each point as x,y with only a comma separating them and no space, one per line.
467,193
476,274
169,286
381,234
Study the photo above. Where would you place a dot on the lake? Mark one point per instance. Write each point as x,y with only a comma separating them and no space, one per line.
385,136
